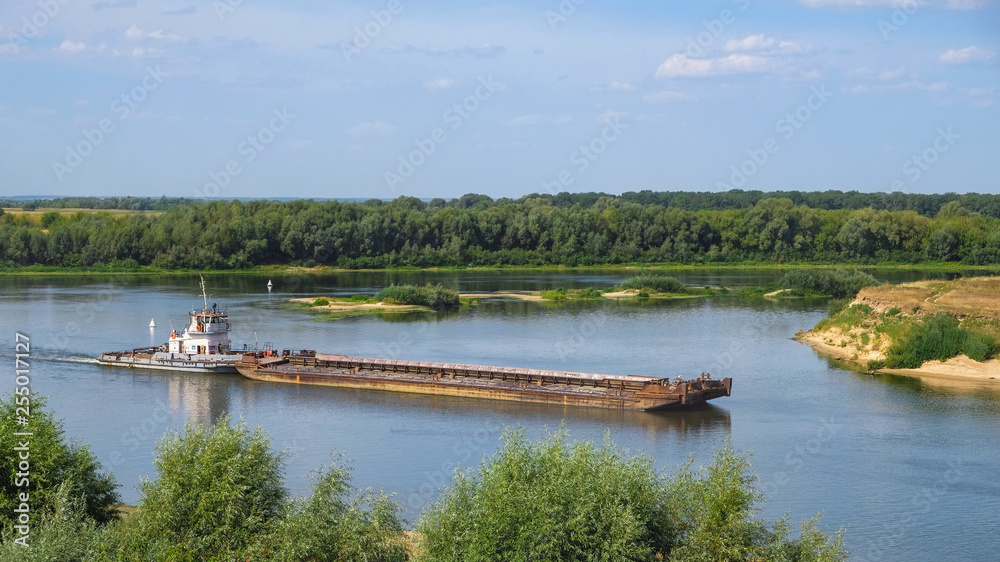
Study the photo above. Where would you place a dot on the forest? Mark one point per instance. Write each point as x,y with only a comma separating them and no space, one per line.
535,230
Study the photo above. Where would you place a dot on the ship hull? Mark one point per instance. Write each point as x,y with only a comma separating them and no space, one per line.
163,361
496,383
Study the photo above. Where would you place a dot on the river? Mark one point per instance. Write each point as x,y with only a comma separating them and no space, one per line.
908,468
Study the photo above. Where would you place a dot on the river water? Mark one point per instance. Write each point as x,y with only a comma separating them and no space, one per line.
908,468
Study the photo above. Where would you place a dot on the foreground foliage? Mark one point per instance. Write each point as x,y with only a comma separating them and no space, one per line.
551,500
53,465
219,496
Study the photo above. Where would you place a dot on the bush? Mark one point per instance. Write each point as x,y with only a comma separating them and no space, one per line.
935,337
330,526
658,283
434,296
550,500
55,464
219,486
590,293
840,283
978,346
321,302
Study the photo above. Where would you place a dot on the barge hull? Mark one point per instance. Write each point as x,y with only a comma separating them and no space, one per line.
497,383
171,362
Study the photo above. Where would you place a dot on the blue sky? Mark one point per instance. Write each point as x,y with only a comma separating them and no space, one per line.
308,98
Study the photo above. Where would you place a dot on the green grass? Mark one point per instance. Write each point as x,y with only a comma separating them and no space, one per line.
848,318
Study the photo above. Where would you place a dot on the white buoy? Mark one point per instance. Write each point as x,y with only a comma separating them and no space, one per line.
152,324
269,285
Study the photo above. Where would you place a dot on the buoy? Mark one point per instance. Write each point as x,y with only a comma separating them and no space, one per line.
152,324
269,284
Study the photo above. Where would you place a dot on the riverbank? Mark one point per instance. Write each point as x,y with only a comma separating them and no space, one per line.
934,267
887,326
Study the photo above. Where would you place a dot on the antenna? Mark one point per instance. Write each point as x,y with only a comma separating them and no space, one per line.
204,295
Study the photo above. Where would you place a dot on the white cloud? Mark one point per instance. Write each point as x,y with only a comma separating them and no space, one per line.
70,48
136,33
439,84
980,97
761,43
971,54
847,3
950,4
620,87
664,96
966,4
892,74
535,118
611,115
680,65
371,128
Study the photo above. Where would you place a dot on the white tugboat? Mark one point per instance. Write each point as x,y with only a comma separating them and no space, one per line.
203,347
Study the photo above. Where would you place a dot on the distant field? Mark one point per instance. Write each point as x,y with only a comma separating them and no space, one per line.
972,296
72,211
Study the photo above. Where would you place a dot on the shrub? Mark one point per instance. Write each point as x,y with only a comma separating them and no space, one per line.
54,464
551,500
658,283
321,302
978,346
894,311
935,337
434,296
329,525
840,283
590,293
875,365
218,487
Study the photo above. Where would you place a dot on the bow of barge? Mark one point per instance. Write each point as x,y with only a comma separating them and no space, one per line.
626,392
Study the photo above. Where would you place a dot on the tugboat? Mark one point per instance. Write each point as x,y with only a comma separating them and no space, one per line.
203,347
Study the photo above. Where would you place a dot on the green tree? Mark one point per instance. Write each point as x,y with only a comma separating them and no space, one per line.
218,487
551,500
52,463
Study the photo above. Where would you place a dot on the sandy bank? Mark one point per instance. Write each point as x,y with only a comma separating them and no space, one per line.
956,371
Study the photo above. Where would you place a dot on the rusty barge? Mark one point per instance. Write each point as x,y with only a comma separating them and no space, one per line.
623,392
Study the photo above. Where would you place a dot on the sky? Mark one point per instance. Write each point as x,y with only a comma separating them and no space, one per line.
439,98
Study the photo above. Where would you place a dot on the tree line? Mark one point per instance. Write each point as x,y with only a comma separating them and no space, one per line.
567,229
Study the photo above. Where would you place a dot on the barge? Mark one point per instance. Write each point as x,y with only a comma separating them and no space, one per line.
622,392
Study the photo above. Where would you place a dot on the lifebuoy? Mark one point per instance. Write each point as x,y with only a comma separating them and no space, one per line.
173,335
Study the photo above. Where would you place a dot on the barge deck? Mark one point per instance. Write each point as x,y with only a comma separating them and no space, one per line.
625,392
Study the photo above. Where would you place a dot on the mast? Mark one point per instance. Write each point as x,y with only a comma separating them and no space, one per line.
204,295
